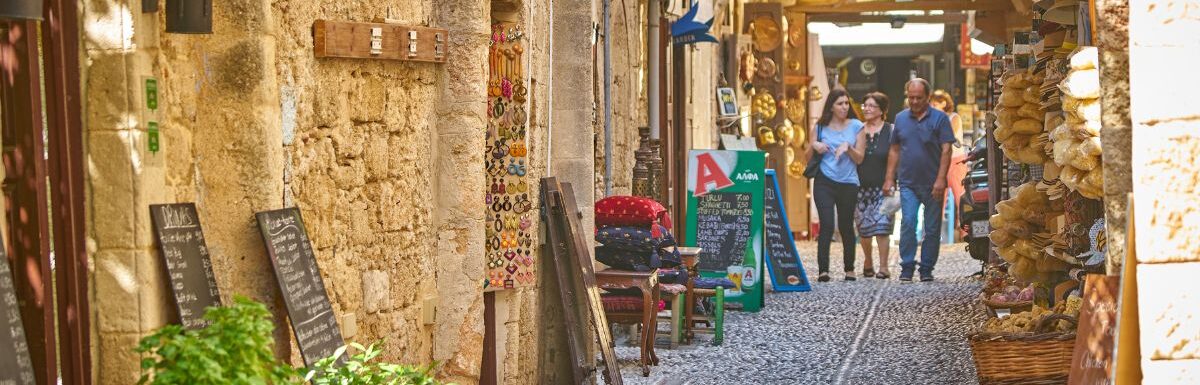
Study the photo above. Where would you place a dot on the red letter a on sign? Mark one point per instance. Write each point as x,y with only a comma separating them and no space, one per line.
707,172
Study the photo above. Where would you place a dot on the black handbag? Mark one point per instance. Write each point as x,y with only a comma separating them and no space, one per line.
814,163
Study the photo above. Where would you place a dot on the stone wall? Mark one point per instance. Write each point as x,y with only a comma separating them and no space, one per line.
383,158
1166,183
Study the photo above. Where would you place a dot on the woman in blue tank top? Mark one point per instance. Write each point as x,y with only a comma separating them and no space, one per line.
840,142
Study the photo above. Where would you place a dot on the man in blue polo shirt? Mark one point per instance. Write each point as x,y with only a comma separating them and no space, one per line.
921,144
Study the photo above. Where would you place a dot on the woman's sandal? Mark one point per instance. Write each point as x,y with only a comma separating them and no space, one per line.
850,276
823,277
867,273
882,275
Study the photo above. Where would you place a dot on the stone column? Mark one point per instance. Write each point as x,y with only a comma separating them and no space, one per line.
1113,41
1166,182
458,181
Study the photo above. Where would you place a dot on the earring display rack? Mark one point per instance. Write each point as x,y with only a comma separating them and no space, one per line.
510,256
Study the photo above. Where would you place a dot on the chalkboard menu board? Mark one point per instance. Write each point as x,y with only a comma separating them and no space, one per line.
783,261
1092,360
309,310
181,245
724,217
15,366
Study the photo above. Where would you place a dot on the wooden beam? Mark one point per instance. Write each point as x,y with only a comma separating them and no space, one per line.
952,18
918,5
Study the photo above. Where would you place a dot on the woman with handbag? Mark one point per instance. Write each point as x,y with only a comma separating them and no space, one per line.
837,150
874,224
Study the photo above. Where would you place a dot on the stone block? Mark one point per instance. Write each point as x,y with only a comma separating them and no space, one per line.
1168,225
376,291
1151,23
108,105
329,106
350,173
1170,328
1158,66
156,301
111,177
368,99
117,292
573,134
349,326
117,363
376,153
1171,372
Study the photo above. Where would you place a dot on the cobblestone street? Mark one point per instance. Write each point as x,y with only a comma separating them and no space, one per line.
866,332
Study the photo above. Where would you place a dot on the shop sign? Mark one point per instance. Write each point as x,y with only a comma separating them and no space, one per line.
688,30
968,59
725,219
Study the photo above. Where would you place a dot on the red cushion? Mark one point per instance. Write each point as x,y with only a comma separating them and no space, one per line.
623,210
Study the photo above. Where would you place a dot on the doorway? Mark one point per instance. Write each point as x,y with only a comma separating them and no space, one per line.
43,222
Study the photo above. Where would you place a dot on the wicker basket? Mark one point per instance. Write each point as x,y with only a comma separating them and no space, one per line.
1013,307
1041,358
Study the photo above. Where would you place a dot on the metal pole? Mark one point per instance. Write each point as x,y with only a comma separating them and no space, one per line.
654,9
608,137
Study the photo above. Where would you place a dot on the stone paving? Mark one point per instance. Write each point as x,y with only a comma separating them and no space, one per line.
866,332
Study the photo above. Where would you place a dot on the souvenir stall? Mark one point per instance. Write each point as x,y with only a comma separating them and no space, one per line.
1048,226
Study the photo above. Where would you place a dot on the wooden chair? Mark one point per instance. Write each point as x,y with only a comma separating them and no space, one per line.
714,324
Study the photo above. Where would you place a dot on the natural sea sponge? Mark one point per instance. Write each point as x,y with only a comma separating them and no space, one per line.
1027,126
1083,84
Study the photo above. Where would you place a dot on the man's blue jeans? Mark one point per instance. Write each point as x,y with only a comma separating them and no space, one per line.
911,200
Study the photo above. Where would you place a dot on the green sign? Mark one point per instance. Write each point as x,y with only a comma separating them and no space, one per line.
151,94
152,136
725,219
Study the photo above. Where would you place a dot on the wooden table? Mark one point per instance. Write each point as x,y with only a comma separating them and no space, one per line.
647,282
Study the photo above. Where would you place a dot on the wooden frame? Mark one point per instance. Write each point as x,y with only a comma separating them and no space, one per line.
577,282
356,40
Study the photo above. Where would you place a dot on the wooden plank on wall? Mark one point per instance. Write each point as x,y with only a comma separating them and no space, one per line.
356,40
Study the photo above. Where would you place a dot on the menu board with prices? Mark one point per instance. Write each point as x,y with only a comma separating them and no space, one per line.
725,219
783,261
15,365
183,250
309,310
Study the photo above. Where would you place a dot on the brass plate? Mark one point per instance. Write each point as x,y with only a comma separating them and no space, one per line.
767,68
766,33
795,110
749,66
796,34
764,105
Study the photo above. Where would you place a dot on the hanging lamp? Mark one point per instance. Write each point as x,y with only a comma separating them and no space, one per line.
189,16
21,9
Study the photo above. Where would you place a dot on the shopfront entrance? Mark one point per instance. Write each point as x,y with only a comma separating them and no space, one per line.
43,190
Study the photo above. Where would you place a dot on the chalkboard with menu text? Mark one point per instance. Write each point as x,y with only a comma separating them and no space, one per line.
722,229
15,366
724,217
783,261
183,250
309,310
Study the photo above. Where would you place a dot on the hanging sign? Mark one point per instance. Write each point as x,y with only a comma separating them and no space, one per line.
687,30
183,250
783,261
15,366
725,219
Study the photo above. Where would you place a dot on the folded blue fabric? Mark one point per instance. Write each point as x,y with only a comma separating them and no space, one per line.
635,238
712,283
623,259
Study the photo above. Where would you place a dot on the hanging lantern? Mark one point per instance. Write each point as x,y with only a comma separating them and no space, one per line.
189,16
21,9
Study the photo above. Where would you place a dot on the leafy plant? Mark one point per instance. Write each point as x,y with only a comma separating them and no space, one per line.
359,370
235,348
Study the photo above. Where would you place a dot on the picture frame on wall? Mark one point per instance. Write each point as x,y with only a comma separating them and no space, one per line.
727,101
